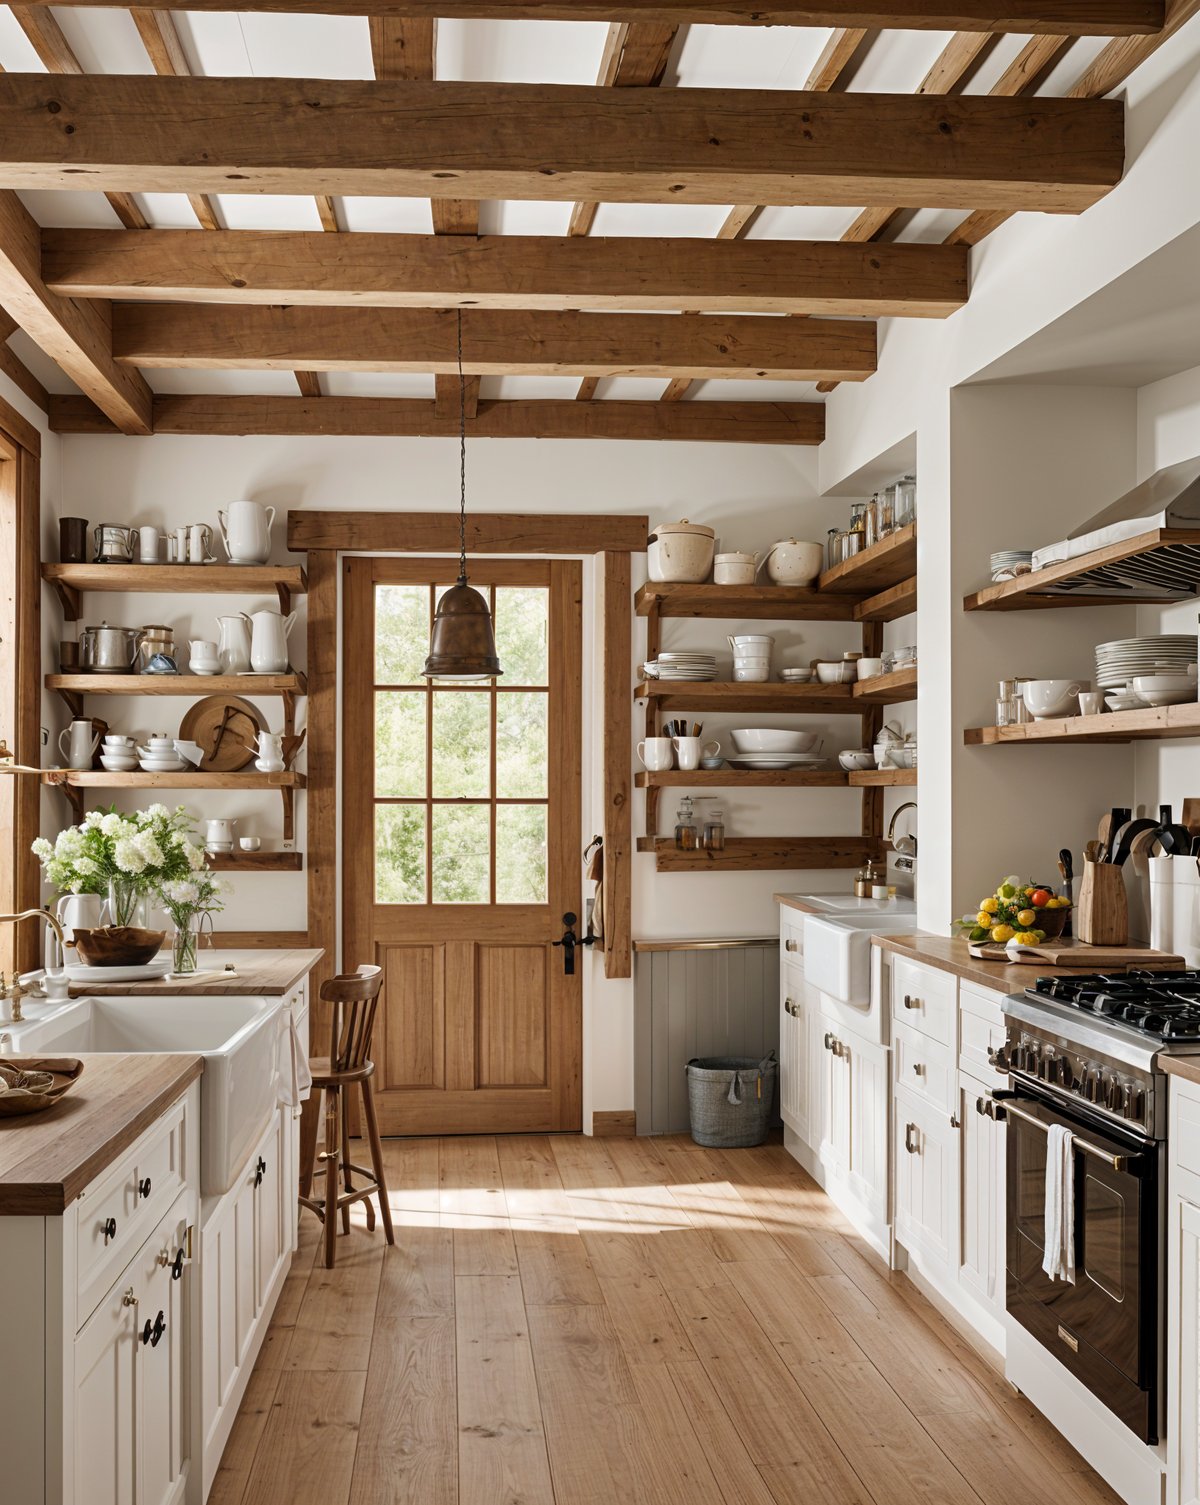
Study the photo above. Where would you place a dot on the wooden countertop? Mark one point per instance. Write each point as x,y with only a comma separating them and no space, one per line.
1187,1067
266,973
46,1159
950,954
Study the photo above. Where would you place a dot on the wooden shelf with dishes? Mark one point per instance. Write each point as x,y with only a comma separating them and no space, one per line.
73,782
1148,723
884,778
256,862
875,587
71,581
1129,573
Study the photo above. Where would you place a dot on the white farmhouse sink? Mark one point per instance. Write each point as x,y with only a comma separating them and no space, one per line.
840,961
238,1038
839,904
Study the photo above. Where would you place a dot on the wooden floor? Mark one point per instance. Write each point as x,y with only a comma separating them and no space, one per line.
573,1321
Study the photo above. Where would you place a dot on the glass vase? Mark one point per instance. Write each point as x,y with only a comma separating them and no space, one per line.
126,903
185,943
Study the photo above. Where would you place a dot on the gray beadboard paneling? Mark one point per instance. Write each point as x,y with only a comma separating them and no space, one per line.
698,1002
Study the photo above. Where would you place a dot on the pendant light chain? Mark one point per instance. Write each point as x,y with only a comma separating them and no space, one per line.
462,460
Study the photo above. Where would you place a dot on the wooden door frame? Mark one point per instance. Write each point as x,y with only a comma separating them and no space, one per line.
20,549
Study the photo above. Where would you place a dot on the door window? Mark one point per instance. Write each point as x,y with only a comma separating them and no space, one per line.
461,770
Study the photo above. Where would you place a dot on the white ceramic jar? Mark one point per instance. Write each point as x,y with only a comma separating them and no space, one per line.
736,568
680,553
791,562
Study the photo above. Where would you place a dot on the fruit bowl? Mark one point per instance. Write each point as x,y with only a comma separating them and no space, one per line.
1020,911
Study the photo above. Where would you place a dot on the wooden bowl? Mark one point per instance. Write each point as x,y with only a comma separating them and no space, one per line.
1052,921
34,1083
118,946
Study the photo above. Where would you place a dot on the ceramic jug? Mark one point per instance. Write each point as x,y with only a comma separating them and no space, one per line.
246,530
203,656
270,752
218,833
268,641
82,742
233,649
78,911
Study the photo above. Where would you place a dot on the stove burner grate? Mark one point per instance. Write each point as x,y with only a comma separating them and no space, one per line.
1165,1005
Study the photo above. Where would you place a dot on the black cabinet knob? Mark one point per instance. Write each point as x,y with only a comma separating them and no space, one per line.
177,1265
260,1170
153,1334
144,1187
109,1229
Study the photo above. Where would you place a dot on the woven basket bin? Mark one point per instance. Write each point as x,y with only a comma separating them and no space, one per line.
730,1099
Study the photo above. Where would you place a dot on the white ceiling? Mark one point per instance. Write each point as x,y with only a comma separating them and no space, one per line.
266,44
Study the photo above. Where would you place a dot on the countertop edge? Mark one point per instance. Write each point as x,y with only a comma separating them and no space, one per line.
1185,1067
52,1198
242,987
997,977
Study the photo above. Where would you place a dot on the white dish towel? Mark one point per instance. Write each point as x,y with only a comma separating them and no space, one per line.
295,1079
1059,1258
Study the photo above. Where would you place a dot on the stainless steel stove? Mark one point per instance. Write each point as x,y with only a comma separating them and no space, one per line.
1084,1052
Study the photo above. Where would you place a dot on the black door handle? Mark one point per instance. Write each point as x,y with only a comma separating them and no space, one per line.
109,1228
569,942
260,1170
144,1187
153,1335
177,1265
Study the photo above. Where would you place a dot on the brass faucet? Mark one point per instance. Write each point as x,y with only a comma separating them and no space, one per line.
907,858
15,991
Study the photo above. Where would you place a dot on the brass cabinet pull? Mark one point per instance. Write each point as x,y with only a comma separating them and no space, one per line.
910,1002
790,946
909,1131
918,1068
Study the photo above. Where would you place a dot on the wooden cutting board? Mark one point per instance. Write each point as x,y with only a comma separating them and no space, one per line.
1075,954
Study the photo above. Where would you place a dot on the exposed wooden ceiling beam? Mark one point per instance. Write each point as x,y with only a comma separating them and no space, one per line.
694,422
645,273
496,342
138,133
1104,18
77,335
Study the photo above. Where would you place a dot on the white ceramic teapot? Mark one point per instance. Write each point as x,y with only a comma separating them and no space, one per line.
268,641
246,531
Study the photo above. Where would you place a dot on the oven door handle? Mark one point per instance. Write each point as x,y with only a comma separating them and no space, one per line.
1006,1108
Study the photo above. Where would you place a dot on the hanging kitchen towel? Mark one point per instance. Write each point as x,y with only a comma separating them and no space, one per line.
295,1079
1058,1261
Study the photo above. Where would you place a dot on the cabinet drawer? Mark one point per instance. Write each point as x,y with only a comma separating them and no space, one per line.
118,1210
981,1026
791,936
925,999
923,1066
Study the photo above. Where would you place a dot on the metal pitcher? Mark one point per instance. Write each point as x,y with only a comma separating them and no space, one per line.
114,544
108,650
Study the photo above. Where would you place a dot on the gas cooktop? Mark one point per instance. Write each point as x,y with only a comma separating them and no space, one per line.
1163,1005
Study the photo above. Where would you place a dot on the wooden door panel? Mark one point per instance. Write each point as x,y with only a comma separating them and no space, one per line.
514,999
411,1027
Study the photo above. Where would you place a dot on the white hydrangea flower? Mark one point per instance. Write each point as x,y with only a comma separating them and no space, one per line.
42,849
112,824
93,818
128,856
157,812
195,857
149,848
180,891
85,865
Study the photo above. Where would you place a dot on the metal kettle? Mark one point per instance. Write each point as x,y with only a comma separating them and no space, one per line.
108,650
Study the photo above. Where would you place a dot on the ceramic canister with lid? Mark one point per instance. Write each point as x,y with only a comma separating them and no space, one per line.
680,553
735,568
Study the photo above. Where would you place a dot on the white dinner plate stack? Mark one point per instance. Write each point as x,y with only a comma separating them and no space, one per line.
683,666
1124,659
1008,563
751,761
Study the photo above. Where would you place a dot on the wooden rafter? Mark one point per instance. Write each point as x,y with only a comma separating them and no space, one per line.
495,342
15,369
694,422
646,273
1104,18
558,142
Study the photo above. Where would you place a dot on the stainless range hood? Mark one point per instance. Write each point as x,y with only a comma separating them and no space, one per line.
1169,499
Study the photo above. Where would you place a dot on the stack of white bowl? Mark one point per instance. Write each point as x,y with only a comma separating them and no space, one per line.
752,657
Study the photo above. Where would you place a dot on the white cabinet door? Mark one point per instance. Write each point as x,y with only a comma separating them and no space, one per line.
104,1453
164,1357
869,1084
831,1066
981,1256
927,1150
1184,1419
795,1065
271,1204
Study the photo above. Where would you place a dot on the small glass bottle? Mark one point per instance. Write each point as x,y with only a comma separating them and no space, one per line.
686,835
858,520
887,511
712,825
872,520
1006,703
833,548
906,501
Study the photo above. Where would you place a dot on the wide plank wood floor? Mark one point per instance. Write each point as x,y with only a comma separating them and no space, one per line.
570,1321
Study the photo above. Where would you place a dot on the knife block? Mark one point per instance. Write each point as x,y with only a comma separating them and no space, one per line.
1101,912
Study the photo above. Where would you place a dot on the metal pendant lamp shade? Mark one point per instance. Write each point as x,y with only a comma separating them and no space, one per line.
462,644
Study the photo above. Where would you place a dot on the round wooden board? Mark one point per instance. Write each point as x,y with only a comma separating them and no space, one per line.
236,747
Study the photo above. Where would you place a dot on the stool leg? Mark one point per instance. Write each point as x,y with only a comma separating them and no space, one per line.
310,1122
346,1174
385,1210
333,1139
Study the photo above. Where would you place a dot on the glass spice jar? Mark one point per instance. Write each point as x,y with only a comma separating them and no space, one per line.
687,838
712,824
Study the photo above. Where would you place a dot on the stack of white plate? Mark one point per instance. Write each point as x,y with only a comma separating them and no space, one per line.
796,676
172,764
1007,563
687,666
1124,659
752,761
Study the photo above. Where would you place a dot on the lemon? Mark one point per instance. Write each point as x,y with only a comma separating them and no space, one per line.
1027,937
1001,934
1026,918
983,918
989,906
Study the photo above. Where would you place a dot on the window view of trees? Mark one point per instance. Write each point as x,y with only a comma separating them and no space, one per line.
479,746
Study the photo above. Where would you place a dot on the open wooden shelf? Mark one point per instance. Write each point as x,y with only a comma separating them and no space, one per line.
72,580
884,778
889,605
193,779
732,778
887,689
792,603
763,853
255,862
1120,574
886,563
178,684
1148,724
770,698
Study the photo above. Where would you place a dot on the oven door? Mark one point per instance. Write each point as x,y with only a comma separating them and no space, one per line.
1105,1327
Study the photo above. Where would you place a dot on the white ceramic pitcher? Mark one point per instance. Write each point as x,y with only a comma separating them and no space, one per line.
268,641
233,649
246,530
78,912
82,742
270,752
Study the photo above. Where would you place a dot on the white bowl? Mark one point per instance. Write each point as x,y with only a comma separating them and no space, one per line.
902,757
1048,698
793,563
839,672
857,762
796,676
249,843
1165,684
767,739
118,765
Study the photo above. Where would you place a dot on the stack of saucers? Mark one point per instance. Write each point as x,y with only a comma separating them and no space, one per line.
686,666
1007,564
1120,662
796,676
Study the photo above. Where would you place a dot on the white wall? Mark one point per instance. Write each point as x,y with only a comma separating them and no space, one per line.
753,495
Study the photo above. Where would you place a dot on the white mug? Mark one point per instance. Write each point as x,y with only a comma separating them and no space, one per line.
689,751
148,542
657,753
1091,702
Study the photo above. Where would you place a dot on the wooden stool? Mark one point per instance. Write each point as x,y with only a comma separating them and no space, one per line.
353,998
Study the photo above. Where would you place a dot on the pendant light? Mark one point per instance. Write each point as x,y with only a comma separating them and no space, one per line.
462,644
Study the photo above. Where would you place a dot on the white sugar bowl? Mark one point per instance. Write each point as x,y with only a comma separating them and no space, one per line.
736,568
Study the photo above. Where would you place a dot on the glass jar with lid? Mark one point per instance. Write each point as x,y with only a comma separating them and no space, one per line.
906,501
687,838
872,520
711,823
887,511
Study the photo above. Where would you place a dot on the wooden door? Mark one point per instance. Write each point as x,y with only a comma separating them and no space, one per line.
462,848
